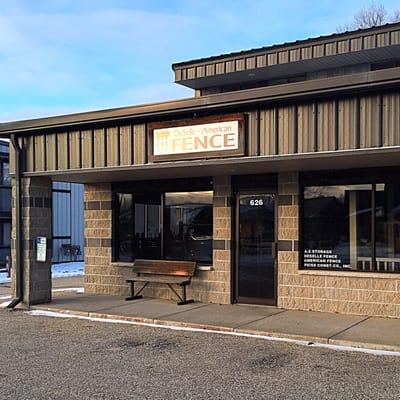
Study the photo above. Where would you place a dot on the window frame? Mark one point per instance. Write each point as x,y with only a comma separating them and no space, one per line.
346,177
154,188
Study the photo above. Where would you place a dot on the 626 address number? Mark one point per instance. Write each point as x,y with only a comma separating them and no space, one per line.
256,202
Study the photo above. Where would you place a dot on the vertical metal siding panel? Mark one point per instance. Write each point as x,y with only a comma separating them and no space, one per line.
347,124
294,55
306,134
125,143
286,130
87,144
210,70
200,71
74,150
261,61
29,152
230,66
369,41
382,39
283,57
239,64
318,51
51,161
39,153
62,150
343,46
267,132
252,133
139,144
191,73
112,147
250,62
395,37
272,58
330,48
99,147
326,126
306,53
220,68
356,44
391,119
369,122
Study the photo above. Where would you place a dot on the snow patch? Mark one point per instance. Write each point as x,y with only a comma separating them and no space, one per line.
53,314
5,297
71,289
62,270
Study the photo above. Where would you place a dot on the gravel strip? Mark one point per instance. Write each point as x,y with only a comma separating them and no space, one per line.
52,358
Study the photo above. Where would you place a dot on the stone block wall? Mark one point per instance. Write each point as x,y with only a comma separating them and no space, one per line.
102,276
344,292
36,221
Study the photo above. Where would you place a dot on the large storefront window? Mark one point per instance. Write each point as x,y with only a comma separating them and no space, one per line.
188,226
182,230
351,227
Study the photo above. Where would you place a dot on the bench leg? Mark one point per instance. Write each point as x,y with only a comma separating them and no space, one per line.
184,300
134,296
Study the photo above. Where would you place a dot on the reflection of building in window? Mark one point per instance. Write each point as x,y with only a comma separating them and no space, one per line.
341,220
185,225
5,203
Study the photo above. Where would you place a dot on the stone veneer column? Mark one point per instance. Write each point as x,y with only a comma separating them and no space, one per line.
288,235
36,221
99,277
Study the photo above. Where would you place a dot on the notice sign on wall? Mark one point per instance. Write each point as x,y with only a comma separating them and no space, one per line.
41,247
197,141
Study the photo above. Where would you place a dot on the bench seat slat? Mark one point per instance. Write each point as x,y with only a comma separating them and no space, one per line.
165,267
160,279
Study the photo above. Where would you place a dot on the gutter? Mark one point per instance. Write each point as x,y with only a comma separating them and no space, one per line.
19,277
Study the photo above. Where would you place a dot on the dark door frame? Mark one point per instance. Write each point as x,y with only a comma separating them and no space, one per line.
235,265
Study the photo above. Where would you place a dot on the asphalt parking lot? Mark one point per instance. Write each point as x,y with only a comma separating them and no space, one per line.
51,358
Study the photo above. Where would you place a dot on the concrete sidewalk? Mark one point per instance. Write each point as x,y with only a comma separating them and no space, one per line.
350,330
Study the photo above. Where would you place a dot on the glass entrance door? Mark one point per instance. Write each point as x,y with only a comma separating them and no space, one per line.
256,248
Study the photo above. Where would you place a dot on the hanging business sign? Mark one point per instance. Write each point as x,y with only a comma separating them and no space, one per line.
186,140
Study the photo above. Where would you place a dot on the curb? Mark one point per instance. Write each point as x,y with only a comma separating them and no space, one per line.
156,323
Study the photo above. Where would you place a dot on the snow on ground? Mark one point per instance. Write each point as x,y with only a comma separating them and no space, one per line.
62,270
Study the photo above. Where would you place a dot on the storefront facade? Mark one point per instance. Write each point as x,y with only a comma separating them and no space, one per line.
280,178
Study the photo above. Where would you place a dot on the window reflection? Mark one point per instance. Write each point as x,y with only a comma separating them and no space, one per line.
337,227
188,226
125,222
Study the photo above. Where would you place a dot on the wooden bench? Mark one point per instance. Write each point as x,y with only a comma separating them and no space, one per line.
162,271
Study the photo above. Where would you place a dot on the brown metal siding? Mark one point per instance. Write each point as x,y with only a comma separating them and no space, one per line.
322,47
370,122
252,133
391,119
74,150
99,148
326,126
87,148
139,144
51,151
112,141
268,132
125,135
306,128
329,125
62,150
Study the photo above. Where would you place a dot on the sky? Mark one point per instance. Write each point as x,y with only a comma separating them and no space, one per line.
65,56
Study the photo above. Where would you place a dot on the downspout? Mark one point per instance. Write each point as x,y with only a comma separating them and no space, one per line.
19,277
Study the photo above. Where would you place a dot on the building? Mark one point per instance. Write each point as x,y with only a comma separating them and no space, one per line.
67,232
5,205
280,177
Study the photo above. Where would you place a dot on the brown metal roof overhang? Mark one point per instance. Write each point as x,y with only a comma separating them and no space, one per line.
362,158
337,86
376,55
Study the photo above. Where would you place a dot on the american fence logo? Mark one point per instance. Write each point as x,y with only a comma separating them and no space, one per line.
219,136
